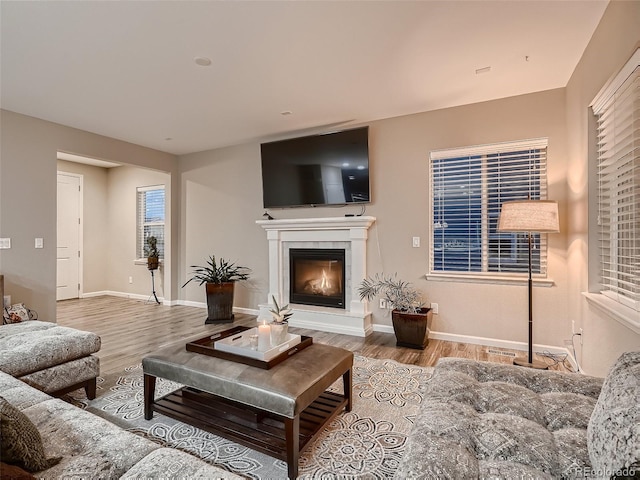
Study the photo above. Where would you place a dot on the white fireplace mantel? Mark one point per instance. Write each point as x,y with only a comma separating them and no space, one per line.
350,233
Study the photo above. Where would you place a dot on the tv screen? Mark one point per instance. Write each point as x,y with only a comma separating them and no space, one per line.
329,169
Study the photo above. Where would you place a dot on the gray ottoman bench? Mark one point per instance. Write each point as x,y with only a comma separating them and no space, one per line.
276,411
53,359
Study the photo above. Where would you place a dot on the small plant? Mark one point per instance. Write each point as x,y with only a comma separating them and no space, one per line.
280,314
400,294
221,271
151,249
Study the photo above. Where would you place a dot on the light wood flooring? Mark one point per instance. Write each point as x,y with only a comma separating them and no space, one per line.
131,329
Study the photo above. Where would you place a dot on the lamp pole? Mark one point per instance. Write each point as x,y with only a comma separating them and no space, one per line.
530,306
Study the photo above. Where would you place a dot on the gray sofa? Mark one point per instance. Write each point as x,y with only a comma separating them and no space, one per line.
49,357
92,447
486,420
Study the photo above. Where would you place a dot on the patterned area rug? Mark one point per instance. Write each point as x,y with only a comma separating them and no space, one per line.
367,442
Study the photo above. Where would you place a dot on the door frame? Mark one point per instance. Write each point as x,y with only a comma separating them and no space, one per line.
80,178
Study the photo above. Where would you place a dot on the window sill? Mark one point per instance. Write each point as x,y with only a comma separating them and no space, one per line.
620,313
493,280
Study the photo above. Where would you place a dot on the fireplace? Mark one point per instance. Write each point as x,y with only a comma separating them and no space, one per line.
348,234
317,277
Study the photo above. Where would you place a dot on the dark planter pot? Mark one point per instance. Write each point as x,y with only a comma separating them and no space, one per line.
152,263
219,302
412,329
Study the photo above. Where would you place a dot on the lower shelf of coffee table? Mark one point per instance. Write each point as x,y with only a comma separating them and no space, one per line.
248,425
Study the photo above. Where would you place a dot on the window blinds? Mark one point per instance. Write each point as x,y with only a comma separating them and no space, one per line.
617,110
468,187
150,206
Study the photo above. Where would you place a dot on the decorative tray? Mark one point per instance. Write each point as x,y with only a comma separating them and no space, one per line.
239,351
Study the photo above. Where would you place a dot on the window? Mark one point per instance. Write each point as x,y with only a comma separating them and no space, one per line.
468,186
617,111
150,218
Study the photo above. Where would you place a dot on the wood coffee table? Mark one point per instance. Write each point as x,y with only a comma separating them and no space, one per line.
276,411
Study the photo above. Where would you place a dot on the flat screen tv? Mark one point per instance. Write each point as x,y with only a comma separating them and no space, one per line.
329,169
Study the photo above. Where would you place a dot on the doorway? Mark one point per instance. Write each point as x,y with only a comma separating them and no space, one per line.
69,236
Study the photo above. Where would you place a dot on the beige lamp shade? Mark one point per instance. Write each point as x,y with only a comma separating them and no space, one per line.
529,216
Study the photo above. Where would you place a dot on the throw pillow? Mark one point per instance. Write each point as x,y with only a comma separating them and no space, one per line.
21,443
613,434
13,472
17,313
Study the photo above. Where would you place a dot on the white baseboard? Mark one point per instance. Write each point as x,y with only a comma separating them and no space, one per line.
132,296
491,342
248,311
382,328
189,303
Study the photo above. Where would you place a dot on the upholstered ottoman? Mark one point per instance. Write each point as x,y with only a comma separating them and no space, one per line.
487,420
275,411
50,358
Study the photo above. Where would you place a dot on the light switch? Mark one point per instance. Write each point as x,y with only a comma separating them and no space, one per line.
39,243
5,243
416,242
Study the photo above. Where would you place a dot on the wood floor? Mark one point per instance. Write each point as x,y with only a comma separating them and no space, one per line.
131,329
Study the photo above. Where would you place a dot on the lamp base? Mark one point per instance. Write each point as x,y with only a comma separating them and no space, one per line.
534,364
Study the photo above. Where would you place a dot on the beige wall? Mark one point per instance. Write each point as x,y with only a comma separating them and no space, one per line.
615,39
122,188
95,227
222,199
28,164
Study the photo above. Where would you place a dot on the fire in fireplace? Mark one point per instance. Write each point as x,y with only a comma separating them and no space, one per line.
317,277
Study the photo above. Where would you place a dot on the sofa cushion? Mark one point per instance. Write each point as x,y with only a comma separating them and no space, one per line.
614,428
90,446
485,420
20,442
168,463
19,394
31,346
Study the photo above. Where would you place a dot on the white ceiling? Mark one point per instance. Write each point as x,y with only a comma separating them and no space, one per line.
126,69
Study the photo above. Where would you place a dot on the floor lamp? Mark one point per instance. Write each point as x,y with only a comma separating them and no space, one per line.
531,216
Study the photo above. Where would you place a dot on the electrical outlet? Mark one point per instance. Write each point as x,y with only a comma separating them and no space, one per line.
383,303
130,279
7,300
434,307
5,243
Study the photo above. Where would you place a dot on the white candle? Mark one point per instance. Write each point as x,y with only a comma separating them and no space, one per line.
264,337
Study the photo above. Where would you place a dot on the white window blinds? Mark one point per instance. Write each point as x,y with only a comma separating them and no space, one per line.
468,186
617,110
150,206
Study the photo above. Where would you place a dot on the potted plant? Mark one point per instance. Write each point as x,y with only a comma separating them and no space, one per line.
219,278
411,320
152,253
280,324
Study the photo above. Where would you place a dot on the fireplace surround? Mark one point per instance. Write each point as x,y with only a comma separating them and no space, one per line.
335,233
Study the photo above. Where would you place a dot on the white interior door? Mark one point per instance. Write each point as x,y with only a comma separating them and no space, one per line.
69,236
